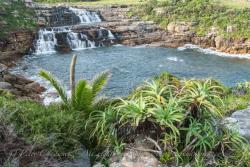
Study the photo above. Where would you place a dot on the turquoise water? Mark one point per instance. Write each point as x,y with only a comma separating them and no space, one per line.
131,66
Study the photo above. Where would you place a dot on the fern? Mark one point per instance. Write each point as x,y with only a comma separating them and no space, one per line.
62,93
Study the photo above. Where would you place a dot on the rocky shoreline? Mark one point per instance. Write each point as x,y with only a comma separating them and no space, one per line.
19,85
129,31
132,31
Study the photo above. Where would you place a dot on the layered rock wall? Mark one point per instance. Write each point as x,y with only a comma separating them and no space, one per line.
15,45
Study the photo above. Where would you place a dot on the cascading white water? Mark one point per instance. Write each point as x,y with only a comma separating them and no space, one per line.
46,42
86,16
78,41
110,35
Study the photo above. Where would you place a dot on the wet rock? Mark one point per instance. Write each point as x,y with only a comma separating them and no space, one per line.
57,16
240,121
103,34
16,79
34,87
21,87
62,44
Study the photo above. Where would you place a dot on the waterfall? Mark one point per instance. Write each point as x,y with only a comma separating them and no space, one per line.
105,33
46,42
78,41
63,38
86,16
110,35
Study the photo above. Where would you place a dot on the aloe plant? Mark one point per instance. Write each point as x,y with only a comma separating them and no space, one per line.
84,93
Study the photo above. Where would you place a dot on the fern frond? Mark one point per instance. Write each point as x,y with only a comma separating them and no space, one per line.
61,92
99,82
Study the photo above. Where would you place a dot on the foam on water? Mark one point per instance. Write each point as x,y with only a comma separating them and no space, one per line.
175,59
214,52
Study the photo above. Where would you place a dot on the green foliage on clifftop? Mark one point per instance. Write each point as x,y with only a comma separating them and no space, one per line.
95,2
14,15
201,14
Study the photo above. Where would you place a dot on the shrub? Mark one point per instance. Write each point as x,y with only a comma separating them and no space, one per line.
204,13
15,16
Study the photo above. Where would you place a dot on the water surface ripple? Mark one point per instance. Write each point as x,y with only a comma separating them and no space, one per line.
131,66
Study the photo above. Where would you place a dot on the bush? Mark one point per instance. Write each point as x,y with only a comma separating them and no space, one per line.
203,13
15,16
181,117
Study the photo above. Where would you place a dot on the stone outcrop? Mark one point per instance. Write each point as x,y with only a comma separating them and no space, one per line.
132,31
134,158
240,121
55,16
15,45
20,86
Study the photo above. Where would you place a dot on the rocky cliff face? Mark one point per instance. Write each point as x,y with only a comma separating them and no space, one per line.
129,31
132,31
15,45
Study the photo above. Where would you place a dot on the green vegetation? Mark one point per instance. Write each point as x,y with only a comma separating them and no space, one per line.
96,2
14,15
202,15
181,117
233,4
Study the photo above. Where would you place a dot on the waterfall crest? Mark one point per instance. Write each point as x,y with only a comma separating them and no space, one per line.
86,16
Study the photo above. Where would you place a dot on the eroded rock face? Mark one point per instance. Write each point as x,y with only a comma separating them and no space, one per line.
20,86
56,16
15,45
240,121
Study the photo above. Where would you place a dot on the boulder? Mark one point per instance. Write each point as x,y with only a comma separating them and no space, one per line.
5,85
62,43
134,158
17,79
240,121
218,41
34,87
180,27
